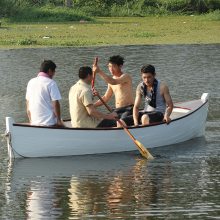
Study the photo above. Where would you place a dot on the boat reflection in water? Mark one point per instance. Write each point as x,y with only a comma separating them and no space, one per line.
78,186
107,185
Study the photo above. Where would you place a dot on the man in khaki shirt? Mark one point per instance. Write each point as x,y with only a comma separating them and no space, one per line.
82,111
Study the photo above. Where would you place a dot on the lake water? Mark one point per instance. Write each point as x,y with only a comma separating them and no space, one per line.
183,182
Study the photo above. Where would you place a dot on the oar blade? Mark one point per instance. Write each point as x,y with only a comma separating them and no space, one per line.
144,152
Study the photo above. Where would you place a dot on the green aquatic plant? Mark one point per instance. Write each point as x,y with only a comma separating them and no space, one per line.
50,14
212,16
26,42
114,31
144,34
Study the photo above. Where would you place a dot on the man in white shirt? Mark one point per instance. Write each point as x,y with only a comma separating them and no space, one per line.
42,97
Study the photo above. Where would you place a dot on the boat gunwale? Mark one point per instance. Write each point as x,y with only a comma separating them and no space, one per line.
112,128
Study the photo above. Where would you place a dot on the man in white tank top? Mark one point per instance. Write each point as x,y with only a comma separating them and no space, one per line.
158,102
42,97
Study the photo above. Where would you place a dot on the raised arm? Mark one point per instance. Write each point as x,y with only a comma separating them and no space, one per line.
169,103
137,104
108,79
106,97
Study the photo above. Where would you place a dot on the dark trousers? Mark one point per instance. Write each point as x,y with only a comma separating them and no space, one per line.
153,117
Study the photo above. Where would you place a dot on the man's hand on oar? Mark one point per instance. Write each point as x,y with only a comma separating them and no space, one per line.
113,116
94,92
95,67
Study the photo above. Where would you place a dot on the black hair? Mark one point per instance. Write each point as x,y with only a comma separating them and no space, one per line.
84,72
148,69
119,60
46,65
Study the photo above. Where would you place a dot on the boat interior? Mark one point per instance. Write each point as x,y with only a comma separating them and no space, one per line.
180,109
183,108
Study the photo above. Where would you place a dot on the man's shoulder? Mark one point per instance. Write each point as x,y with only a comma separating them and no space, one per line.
140,85
50,83
32,82
80,88
125,78
32,79
163,87
126,75
42,80
163,84
73,88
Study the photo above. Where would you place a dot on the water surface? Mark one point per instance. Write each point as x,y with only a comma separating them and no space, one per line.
181,183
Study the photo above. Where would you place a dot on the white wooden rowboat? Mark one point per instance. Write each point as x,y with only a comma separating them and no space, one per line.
24,140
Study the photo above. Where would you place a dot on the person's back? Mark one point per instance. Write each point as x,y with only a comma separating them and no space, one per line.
40,100
42,97
78,103
82,111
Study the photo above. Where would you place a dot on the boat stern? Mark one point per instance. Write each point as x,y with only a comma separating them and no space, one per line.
8,135
205,97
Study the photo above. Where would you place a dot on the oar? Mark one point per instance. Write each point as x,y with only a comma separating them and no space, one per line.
144,152
93,74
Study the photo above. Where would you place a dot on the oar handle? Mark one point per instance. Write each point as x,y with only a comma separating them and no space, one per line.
104,103
93,81
94,74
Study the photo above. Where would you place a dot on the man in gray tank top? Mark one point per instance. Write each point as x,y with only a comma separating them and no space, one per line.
158,102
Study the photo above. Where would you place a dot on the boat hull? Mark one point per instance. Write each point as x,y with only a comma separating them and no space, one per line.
35,141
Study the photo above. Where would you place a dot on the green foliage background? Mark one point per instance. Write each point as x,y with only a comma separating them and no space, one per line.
56,10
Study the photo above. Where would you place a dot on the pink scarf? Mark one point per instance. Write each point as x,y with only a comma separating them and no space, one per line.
43,74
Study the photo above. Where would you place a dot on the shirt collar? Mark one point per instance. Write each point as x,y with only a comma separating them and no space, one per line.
44,75
84,83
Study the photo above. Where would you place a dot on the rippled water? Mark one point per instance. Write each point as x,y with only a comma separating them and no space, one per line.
183,181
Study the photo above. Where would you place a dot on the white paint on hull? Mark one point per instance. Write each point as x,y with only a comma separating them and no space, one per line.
28,141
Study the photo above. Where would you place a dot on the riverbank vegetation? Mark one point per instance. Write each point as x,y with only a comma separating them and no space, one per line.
40,23
112,31
75,10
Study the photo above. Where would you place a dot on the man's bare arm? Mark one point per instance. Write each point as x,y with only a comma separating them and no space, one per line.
137,104
108,79
57,112
92,111
106,97
28,111
169,104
